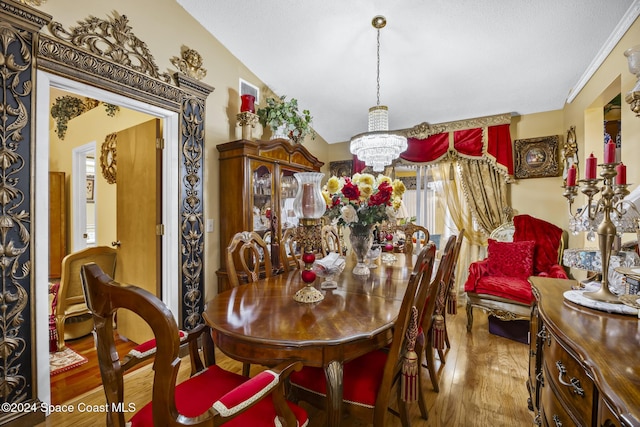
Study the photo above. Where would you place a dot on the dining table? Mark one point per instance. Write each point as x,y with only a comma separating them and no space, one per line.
260,322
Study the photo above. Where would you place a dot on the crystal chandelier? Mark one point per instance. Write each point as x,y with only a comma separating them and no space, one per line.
378,147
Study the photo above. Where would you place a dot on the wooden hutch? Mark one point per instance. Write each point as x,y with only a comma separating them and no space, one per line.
257,188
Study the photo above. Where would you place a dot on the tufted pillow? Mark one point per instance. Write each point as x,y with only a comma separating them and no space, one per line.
510,259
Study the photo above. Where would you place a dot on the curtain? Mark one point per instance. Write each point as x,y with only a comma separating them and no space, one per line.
486,193
447,179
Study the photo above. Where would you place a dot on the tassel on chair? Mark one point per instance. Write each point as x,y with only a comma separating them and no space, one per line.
452,303
409,381
438,332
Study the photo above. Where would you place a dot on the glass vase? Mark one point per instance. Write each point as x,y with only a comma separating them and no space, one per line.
361,238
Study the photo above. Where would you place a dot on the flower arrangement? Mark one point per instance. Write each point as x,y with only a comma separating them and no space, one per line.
362,200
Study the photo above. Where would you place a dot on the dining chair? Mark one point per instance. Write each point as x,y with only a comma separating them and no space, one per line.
368,380
290,251
424,345
421,235
447,302
330,240
211,396
247,257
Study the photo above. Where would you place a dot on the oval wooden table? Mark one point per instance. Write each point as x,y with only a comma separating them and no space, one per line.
260,323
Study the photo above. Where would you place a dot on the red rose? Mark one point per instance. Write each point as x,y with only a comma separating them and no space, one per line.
382,196
350,190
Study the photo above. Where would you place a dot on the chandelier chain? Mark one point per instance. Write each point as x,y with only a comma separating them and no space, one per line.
378,71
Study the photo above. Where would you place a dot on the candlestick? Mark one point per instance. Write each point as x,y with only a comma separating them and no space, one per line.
590,170
610,152
621,177
571,176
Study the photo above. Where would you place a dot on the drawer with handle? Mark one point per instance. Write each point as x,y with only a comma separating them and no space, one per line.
569,381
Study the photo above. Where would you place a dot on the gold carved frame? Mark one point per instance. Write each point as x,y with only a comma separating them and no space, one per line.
90,54
536,157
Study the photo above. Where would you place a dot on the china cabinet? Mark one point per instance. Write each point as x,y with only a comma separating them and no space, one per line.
584,367
257,188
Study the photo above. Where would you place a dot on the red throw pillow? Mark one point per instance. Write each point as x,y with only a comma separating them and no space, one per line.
510,259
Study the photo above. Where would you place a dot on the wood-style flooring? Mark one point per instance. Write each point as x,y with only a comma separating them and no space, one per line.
482,383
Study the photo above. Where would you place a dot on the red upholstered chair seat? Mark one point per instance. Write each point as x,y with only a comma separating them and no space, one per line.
361,379
199,393
506,287
535,251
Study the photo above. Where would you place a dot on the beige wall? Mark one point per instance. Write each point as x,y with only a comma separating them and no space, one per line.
92,126
171,28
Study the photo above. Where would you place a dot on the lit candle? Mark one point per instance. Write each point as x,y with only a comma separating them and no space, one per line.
590,170
571,176
248,103
621,177
610,152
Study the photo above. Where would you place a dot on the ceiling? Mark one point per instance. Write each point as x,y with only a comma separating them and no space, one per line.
441,60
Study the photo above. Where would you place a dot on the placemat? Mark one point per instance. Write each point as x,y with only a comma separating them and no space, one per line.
577,297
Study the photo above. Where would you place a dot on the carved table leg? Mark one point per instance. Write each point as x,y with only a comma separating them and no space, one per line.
333,374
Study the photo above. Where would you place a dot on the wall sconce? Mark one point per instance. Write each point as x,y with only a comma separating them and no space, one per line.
633,97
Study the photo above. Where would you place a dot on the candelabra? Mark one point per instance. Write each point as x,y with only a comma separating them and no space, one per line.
610,202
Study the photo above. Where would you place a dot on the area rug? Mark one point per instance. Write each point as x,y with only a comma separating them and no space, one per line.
61,361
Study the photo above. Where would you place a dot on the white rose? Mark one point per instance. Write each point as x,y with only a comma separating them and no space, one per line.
391,213
349,214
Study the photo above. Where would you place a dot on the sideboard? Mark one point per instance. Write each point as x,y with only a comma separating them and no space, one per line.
584,364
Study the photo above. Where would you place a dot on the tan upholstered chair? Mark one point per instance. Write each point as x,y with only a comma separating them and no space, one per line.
70,308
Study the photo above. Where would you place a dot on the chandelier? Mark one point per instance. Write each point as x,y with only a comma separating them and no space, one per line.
378,147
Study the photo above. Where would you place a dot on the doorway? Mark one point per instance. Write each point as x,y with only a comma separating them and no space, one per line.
84,202
170,240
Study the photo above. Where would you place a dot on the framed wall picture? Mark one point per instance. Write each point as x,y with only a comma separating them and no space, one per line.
341,168
90,188
536,157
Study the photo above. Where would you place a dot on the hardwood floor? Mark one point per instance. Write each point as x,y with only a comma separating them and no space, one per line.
483,383
69,384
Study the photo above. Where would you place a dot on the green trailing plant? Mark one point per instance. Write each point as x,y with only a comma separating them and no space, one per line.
279,112
68,107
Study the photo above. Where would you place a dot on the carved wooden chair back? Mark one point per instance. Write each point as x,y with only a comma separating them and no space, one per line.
330,240
70,301
290,251
201,399
447,301
382,367
441,277
247,256
410,230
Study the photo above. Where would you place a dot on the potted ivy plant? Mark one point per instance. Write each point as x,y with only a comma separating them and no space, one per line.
285,120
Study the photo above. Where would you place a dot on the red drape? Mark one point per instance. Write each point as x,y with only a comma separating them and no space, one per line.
466,143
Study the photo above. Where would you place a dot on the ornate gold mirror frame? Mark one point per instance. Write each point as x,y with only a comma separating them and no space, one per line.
89,54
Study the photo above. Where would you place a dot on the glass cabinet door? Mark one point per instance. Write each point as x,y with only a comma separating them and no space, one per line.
262,200
288,190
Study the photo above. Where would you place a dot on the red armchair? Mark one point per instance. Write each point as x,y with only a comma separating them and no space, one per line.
498,284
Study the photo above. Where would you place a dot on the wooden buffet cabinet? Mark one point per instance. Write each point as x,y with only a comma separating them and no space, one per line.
584,364
257,187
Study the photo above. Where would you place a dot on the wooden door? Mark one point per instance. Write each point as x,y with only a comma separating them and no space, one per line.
139,211
57,223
